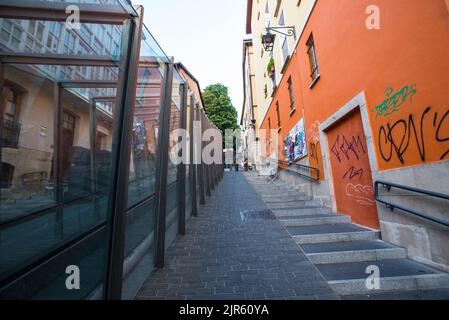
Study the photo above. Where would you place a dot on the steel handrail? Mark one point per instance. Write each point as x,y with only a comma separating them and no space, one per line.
303,166
392,206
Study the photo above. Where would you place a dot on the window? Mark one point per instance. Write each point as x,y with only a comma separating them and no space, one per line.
69,43
278,114
283,40
311,52
35,36
267,21
291,94
68,121
54,36
10,33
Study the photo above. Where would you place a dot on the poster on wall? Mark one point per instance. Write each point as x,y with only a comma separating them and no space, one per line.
295,143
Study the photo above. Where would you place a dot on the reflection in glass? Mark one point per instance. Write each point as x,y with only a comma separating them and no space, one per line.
141,217
56,157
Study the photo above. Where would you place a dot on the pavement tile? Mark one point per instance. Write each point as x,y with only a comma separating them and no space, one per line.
225,257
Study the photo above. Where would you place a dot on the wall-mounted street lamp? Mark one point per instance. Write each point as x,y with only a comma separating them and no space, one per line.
268,38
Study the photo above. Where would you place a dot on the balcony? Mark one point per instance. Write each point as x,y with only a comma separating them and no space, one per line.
10,134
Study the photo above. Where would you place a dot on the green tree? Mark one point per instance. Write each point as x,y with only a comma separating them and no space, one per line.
219,107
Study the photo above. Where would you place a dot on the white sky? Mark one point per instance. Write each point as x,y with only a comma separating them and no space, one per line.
205,35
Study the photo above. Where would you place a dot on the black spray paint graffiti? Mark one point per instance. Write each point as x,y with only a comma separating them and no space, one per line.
438,131
344,147
396,138
314,151
353,173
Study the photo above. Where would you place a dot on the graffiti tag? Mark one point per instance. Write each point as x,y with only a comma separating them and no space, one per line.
344,147
363,194
396,138
394,101
352,173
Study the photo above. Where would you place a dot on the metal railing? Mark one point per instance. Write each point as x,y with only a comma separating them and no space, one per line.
286,166
393,206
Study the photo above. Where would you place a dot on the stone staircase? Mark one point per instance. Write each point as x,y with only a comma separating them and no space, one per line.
343,251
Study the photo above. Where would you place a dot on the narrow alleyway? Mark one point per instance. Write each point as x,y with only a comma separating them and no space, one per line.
236,249
257,239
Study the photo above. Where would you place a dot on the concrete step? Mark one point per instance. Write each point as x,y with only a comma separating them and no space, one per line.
433,294
331,233
395,275
301,211
353,251
277,192
294,204
298,221
285,199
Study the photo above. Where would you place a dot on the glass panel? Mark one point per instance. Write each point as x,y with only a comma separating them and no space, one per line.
142,177
54,200
50,37
141,217
56,157
189,176
172,173
125,4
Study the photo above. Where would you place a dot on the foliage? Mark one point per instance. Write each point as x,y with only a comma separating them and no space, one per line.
219,107
270,65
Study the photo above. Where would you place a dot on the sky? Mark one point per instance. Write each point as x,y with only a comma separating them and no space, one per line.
205,35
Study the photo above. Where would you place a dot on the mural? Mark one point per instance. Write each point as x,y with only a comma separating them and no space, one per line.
295,143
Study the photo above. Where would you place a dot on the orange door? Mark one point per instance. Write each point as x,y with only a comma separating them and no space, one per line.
351,172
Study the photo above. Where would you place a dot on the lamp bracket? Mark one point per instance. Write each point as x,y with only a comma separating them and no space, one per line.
289,30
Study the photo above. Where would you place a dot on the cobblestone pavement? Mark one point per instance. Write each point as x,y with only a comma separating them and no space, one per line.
235,249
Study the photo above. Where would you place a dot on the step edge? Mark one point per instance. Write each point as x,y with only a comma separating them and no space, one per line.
358,255
411,282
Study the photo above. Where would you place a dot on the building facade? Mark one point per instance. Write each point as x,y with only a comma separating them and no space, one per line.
249,119
273,13
365,105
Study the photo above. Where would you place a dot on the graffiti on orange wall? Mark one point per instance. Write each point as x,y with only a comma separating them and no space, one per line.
348,149
351,171
396,138
410,128
314,143
363,194
394,101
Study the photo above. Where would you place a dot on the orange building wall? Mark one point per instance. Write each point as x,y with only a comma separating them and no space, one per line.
410,52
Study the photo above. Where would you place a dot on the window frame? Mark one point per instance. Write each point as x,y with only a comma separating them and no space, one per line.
291,94
313,61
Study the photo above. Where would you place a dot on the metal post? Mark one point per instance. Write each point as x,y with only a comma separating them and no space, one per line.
58,92
193,150
182,166
201,169
162,166
117,206
93,153
2,83
207,169
211,170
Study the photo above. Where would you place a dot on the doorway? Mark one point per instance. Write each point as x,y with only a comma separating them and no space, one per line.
351,171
